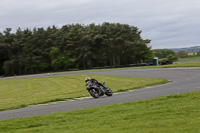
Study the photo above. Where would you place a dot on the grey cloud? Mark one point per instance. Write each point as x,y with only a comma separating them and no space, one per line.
167,23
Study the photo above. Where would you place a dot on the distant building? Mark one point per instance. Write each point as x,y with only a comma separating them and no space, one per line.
191,54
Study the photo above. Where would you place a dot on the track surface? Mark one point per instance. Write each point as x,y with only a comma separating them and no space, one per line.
183,80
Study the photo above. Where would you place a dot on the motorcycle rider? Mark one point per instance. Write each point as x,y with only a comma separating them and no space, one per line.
90,83
93,81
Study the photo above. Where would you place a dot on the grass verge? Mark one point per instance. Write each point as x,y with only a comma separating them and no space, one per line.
176,65
22,92
174,113
180,65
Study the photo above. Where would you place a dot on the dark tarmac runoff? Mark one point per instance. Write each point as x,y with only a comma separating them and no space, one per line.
182,80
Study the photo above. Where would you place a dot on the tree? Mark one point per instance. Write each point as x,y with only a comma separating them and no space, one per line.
71,46
8,45
171,57
59,60
182,54
163,53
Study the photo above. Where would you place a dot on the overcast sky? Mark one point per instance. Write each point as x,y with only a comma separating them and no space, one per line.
167,23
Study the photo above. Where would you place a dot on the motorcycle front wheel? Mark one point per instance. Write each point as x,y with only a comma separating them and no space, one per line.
109,92
94,93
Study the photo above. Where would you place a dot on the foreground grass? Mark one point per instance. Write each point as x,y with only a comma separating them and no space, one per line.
18,93
175,113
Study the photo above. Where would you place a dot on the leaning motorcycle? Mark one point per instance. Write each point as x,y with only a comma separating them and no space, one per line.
96,90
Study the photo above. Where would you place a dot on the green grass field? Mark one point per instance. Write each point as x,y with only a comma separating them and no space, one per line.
21,92
179,65
168,114
193,61
175,113
190,59
175,65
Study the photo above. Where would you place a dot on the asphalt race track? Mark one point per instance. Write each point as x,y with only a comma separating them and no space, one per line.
183,80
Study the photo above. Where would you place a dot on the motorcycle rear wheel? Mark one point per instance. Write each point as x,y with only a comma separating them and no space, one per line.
94,93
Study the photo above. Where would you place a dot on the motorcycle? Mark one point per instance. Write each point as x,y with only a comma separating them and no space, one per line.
96,90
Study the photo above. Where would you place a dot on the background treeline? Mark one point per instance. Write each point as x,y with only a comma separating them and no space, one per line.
194,49
164,53
71,46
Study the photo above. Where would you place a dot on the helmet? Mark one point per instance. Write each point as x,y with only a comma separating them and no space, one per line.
87,79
